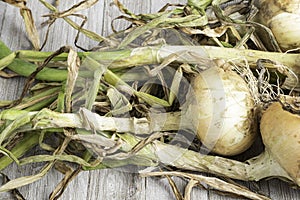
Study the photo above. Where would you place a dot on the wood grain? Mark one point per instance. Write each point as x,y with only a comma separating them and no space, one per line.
109,184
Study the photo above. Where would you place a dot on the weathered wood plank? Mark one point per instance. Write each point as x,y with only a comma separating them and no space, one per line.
101,184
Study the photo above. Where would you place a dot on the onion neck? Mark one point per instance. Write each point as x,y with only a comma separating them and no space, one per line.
265,166
255,169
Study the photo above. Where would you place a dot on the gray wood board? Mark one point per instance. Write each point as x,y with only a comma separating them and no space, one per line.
101,184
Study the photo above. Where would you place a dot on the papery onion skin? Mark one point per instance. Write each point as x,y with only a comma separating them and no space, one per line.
225,112
283,18
280,132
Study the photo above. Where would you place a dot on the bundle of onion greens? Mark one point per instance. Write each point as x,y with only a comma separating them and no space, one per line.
170,92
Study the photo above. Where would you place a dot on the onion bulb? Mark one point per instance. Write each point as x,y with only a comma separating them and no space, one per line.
283,18
280,132
224,113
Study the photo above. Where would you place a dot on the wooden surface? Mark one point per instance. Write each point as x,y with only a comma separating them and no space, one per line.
110,184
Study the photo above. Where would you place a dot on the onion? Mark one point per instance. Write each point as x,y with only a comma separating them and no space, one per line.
280,132
283,18
224,112
223,117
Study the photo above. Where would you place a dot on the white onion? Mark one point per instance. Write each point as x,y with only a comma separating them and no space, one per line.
224,112
283,18
280,131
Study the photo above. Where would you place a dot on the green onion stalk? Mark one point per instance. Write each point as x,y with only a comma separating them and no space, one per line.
19,61
121,133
